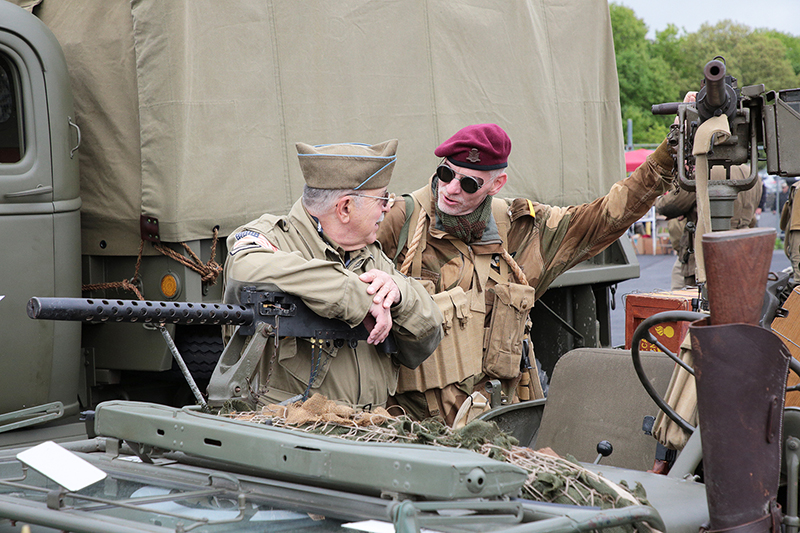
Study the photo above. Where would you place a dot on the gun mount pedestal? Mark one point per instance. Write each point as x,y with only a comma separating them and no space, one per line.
721,198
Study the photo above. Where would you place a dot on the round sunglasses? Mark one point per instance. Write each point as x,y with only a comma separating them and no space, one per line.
469,184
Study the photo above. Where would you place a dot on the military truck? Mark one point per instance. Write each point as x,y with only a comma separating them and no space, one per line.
154,467
130,148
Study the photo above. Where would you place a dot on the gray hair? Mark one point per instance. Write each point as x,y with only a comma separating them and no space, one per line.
322,200
496,172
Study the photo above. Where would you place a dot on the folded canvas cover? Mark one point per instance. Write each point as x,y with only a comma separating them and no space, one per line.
190,109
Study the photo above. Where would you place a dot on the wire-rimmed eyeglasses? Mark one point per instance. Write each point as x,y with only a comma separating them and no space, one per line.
388,200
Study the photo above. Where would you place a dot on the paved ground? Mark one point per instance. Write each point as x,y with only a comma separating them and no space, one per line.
654,275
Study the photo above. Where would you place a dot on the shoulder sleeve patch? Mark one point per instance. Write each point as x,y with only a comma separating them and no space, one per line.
249,240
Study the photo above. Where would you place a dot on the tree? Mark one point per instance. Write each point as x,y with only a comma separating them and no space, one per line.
664,69
629,31
751,57
644,79
792,45
668,45
762,59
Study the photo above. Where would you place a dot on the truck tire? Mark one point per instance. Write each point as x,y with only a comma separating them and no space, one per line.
200,347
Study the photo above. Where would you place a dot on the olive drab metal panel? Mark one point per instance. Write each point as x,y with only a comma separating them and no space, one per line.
39,215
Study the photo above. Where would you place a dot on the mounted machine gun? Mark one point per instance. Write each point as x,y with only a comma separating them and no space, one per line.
755,117
262,315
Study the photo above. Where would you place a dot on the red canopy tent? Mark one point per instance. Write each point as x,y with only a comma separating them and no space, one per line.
634,158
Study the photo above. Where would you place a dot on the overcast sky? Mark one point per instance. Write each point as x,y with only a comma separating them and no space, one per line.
688,15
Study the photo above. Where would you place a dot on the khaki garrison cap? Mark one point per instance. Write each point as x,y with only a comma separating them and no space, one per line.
347,166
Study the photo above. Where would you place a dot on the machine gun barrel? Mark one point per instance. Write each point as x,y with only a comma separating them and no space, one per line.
718,95
714,73
296,318
715,98
106,310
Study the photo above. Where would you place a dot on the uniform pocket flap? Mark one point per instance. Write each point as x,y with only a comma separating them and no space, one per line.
445,304
460,303
520,297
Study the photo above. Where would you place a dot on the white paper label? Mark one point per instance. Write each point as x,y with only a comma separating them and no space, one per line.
61,466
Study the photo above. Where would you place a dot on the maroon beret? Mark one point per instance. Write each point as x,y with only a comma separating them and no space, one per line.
480,146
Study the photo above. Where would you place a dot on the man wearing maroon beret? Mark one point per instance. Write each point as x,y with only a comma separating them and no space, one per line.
486,261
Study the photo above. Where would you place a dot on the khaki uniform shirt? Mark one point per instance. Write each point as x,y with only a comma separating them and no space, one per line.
544,240
289,254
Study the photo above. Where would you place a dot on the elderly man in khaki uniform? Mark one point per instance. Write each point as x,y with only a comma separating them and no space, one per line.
486,260
324,251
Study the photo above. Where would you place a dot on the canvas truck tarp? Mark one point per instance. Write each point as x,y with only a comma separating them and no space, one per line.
190,109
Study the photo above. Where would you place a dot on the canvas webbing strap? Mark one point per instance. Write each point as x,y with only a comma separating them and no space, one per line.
403,236
433,403
713,129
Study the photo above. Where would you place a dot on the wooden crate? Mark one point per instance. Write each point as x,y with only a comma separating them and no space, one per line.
641,306
788,329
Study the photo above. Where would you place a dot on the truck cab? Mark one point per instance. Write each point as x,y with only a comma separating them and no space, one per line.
39,220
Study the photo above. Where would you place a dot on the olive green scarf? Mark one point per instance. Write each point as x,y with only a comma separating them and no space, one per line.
468,228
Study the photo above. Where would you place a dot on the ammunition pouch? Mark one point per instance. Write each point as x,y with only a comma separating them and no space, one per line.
510,319
458,355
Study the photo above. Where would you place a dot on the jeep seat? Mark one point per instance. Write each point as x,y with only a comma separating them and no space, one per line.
595,395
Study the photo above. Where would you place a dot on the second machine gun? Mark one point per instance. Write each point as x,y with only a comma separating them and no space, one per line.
757,118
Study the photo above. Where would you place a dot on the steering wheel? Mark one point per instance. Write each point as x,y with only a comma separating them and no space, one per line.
643,333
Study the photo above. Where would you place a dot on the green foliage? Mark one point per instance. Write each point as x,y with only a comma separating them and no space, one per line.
792,45
668,46
751,57
647,128
644,78
629,31
666,68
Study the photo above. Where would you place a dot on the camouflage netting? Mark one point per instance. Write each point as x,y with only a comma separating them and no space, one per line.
551,478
